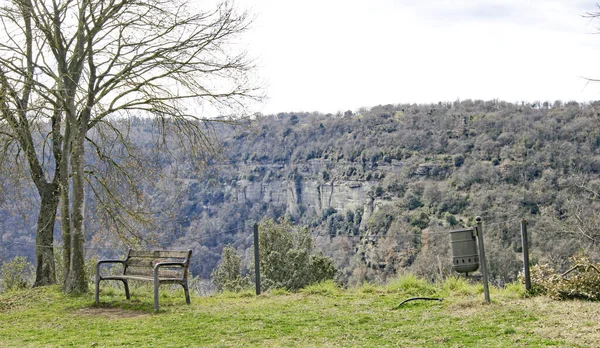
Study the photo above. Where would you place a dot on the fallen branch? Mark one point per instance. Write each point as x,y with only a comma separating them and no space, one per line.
578,266
418,298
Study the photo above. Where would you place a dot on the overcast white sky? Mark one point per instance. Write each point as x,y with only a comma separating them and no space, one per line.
332,55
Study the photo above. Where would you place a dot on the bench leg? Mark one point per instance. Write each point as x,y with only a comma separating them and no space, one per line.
97,295
156,284
187,293
126,286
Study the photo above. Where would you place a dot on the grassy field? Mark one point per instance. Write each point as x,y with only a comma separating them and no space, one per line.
319,316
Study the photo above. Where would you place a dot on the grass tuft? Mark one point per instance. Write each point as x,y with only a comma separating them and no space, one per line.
367,288
241,294
278,292
459,287
514,290
409,284
328,288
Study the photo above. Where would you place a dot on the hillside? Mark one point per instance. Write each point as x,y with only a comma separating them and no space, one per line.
379,188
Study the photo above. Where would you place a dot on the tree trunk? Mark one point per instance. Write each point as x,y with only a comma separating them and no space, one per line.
65,204
44,252
76,279
66,231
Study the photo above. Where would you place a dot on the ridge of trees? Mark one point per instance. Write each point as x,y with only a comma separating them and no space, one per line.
428,168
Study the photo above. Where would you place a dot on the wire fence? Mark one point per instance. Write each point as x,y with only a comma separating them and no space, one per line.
412,237
355,238
89,246
204,237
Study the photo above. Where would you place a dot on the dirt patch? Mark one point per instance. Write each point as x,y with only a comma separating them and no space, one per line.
111,313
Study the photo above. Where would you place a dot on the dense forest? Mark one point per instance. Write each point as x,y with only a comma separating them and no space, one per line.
379,188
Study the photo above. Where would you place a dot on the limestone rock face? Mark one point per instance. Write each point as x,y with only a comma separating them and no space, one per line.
266,192
312,196
315,187
306,189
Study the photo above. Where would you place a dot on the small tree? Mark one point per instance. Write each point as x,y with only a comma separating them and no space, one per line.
16,274
228,275
287,259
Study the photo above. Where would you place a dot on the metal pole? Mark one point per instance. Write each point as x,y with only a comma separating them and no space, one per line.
525,255
256,260
486,289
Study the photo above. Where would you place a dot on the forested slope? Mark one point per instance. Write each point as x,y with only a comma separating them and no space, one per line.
379,188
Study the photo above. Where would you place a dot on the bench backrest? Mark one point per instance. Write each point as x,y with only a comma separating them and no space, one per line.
141,263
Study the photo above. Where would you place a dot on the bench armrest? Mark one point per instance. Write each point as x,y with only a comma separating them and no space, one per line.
170,264
110,261
106,262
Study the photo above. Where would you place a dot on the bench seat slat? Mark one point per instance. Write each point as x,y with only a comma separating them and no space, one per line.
140,277
162,272
136,262
140,263
158,254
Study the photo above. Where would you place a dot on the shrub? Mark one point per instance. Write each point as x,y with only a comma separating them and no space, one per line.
379,223
419,219
542,278
286,257
16,274
450,219
228,276
89,267
582,281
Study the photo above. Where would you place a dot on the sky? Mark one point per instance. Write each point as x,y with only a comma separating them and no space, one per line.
337,55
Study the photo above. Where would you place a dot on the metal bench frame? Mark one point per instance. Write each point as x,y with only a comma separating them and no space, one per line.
159,266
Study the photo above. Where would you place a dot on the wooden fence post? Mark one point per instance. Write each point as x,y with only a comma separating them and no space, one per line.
525,244
486,288
256,260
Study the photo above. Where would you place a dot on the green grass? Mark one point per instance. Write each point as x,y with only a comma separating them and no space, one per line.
320,315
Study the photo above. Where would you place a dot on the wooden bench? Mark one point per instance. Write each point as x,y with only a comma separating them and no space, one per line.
160,267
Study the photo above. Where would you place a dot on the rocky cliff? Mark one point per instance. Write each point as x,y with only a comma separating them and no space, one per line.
304,190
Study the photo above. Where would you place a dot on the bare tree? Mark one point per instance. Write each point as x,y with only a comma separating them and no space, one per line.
21,114
580,217
84,63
